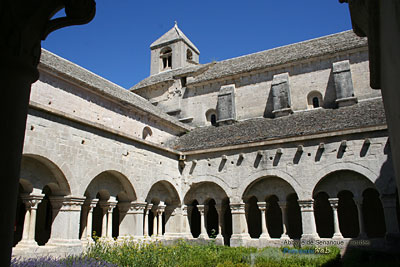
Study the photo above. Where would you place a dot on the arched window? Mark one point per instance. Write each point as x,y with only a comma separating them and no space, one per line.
166,58
211,117
146,132
314,100
189,55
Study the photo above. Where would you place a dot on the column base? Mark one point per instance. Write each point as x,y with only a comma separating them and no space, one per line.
309,236
27,244
337,236
219,240
203,236
238,240
64,242
265,236
285,237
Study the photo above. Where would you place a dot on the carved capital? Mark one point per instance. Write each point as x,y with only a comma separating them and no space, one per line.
334,202
306,205
237,208
32,201
263,206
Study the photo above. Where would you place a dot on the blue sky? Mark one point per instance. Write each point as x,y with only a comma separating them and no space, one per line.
116,43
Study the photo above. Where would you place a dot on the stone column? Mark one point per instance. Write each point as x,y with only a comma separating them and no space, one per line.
155,222
220,237
203,231
389,209
111,205
239,226
308,219
285,223
31,203
104,207
160,211
146,219
334,204
66,219
89,231
263,206
359,201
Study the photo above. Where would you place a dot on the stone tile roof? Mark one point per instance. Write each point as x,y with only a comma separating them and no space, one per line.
170,75
87,79
172,35
363,114
329,44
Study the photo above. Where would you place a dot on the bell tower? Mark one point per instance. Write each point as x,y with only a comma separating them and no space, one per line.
171,51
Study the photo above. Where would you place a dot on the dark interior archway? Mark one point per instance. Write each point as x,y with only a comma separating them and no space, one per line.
253,218
274,217
195,219
323,215
372,209
212,219
294,217
348,215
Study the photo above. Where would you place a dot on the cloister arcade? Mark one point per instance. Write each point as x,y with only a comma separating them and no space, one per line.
345,205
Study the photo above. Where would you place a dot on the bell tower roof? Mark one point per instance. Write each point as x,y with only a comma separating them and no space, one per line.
171,36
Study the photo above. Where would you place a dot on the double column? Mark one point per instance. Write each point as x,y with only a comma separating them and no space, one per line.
107,207
87,232
359,204
31,203
158,211
389,209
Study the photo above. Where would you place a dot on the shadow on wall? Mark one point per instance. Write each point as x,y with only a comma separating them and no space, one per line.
381,215
330,93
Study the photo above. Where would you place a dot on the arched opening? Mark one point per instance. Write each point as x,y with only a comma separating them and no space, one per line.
348,186
294,217
274,217
212,219
105,193
323,215
314,100
195,219
273,193
44,218
373,214
165,199
189,55
253,217
216,203
166,58
40,181
211,117
19,217
347,213
227,221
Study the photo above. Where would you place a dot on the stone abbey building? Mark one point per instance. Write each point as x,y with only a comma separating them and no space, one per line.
285,144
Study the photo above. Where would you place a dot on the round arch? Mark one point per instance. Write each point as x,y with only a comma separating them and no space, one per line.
204,191
246,183
209,179
49,174
358,169
112,182
164,191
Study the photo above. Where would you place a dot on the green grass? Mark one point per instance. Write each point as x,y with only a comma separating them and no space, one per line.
183,254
